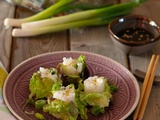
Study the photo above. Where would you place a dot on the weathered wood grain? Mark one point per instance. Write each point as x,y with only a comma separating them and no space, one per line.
38,44
141,62
6,10
151,10
26,47
96,40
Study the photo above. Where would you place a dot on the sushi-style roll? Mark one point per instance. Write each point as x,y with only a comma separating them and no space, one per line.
72,70
42,81
62,104
72,67
96,94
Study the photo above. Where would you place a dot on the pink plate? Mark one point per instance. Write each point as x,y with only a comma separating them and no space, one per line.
16,86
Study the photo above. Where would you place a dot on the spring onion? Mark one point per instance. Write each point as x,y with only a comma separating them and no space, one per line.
70,8
39,104
39,116
42,24
17,32
41,15
80,15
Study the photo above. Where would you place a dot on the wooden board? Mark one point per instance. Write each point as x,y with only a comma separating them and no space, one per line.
6,10
26,47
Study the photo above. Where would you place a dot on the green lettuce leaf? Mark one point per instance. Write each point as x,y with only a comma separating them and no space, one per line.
40,87
61,109
82,59
81,104
96,110
97,99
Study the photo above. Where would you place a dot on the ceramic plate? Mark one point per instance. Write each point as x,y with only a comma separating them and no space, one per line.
16,87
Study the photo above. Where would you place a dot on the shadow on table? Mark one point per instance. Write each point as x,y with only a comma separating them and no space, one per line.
130,117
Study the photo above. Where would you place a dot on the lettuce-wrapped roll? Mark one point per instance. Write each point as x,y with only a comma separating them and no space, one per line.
62,104
42,81
72,70
96,94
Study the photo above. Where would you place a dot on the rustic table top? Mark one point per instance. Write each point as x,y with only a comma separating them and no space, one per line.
91,39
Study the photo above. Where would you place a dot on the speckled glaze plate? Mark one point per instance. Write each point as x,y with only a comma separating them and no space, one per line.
16,86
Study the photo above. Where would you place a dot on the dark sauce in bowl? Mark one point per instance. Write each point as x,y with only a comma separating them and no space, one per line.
135,34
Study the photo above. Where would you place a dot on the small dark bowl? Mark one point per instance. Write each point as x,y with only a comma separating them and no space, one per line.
134,34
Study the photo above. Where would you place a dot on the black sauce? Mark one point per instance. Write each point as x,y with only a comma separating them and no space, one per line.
135,34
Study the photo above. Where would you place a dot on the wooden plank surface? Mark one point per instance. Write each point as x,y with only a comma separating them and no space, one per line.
150,9
96,40
6,10
35,45
26,47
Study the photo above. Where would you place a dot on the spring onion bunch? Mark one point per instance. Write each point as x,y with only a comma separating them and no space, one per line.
17,32
43,24
51,11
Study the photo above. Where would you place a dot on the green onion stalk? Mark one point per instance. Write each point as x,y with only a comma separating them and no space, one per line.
78,16
101,20
49,12
91,17
78,7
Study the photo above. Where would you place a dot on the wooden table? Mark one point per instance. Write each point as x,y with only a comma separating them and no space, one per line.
92,39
